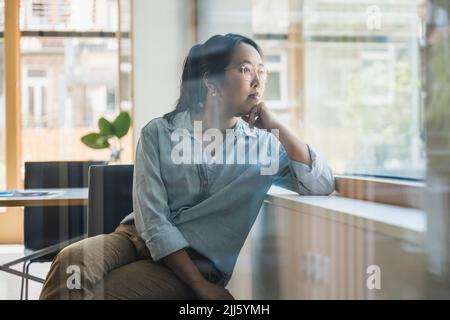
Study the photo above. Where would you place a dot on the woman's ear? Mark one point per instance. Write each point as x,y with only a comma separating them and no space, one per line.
209,84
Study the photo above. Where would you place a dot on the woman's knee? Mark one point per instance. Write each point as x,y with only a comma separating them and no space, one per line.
78,264
70,254
89,261
98,255
55,286
82,256
74,254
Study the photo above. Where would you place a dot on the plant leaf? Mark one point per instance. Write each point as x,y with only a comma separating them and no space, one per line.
95,141
121,124
106,128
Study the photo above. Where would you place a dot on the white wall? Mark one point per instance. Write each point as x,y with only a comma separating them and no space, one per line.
222,17
162,39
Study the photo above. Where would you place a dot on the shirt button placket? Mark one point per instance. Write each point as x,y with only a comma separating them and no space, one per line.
203,180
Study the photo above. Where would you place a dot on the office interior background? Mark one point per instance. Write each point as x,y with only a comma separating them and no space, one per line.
364,82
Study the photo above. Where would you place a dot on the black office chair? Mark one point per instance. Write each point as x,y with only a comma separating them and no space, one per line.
110,197
46,226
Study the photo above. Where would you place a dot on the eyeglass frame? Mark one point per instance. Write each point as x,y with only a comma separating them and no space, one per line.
255,72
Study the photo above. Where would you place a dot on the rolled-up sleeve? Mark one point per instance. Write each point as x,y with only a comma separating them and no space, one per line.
303,179
150,203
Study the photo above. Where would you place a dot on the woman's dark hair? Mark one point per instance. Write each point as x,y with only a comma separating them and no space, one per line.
211,57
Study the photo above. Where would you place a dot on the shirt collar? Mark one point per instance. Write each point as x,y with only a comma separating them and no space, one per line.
183,120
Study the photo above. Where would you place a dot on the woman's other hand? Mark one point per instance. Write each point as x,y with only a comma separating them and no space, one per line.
207,290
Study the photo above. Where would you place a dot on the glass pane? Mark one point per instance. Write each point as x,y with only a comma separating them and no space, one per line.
2,121
68,15
125,69
363,89
353,89
273,87
2,104
272,58
437,111
2,15
67,85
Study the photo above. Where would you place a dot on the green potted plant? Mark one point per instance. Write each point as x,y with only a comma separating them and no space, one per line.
109,135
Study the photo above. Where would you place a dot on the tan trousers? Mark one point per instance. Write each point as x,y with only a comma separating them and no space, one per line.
118,266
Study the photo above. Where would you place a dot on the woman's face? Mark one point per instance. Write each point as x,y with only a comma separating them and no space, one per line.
244,80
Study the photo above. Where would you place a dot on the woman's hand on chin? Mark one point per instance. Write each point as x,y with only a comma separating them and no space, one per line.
260,117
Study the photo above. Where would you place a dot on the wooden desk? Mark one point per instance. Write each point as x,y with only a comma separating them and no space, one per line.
58,197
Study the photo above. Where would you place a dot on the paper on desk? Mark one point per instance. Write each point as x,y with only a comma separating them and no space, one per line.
18,193
7,193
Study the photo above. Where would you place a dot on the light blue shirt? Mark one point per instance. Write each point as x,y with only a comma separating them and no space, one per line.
208,206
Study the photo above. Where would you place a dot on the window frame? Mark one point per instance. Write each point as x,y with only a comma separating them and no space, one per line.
392,191
282,69
12,36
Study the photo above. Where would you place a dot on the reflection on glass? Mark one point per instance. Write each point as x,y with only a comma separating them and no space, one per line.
372,97
436,16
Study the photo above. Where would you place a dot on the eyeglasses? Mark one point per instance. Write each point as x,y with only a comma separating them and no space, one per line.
248,72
